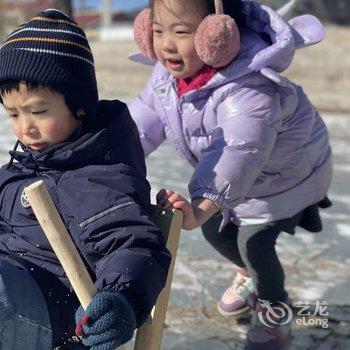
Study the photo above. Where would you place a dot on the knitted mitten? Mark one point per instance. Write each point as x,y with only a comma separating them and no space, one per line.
107,323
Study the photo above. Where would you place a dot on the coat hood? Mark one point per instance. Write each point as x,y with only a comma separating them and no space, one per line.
269,42
281,38
267,39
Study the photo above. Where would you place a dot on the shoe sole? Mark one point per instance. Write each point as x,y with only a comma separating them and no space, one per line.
235,314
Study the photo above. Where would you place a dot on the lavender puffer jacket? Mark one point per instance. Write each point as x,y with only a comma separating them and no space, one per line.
259,148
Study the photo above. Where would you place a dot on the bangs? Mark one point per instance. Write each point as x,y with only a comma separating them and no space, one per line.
201,8
7,86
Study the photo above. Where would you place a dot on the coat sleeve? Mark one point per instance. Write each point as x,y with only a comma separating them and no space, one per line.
124,251
150,126
247,124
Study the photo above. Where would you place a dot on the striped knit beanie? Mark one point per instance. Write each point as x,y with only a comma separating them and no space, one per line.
53,51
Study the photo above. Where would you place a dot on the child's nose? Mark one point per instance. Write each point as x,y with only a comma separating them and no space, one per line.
169,44
28,127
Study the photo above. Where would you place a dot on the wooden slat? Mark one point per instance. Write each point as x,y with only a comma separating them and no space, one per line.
149,335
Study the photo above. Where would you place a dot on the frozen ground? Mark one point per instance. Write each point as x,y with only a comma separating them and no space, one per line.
317,265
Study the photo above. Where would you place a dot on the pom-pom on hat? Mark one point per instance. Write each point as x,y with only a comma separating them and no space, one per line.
52,50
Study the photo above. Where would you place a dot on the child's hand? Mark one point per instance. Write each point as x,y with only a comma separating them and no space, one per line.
107,323
167,198
195,214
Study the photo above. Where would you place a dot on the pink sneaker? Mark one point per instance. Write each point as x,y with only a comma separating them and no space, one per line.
270,327
237,298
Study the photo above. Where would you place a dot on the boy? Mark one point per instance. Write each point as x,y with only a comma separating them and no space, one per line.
89,155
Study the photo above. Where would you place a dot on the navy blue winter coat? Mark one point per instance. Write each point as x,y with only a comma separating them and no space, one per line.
97,180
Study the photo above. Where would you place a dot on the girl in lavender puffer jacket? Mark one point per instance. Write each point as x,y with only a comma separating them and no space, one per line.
260,151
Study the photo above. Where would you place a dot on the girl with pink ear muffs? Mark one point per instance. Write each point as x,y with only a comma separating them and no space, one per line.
259,149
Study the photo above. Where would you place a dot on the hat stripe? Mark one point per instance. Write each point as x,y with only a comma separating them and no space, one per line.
54,20
50,40
46,30
56,53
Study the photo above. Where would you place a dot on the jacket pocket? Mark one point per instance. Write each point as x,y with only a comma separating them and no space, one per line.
104,213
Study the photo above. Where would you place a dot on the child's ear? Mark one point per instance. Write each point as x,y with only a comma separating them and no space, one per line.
81,113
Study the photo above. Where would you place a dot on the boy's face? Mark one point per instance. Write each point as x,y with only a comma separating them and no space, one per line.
174,31
39,118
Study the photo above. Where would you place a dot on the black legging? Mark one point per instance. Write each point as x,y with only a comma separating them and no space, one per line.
253,247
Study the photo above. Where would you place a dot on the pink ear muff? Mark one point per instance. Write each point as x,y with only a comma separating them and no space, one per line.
217,40
143,33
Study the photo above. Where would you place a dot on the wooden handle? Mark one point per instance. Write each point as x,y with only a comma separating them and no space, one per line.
61,242
219,7
149,335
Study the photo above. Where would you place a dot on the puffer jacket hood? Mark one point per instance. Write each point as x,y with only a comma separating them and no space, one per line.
277,34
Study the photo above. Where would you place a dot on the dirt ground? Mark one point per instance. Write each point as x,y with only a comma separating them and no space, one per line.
323,70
